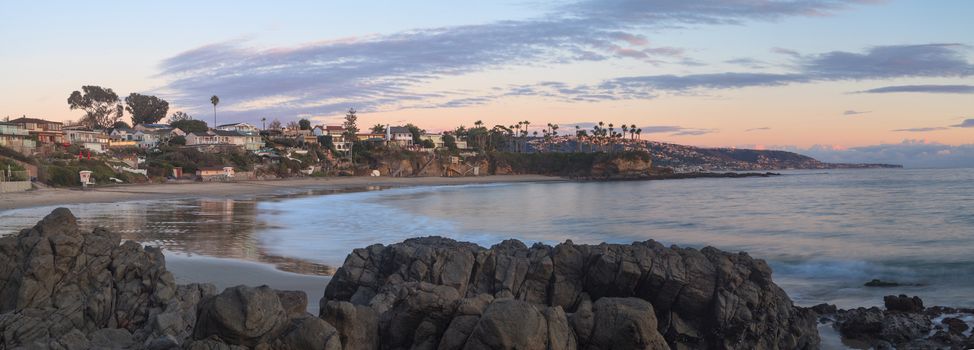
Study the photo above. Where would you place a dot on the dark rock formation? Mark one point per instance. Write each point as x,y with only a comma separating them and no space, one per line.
903,303
61,288
904,324
438,293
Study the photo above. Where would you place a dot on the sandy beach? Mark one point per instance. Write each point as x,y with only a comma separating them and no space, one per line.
111,194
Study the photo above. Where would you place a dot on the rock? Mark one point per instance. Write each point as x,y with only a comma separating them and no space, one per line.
313,334
111,338
704,298
414,314
624,323
881,283
875,326
860,323
294,302
357,325
824,309
162,343
903,303
56,279
955,325
242,315
73,340
510,324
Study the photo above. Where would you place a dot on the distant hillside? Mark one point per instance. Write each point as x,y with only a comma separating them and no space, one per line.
689,158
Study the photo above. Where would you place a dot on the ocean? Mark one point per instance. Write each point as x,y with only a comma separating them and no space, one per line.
825,233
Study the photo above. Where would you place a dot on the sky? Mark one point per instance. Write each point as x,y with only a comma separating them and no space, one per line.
849,80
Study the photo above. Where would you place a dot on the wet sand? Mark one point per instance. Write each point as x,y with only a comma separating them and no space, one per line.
112,194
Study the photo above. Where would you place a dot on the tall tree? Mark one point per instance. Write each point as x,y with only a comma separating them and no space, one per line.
304,124
215,101
101,105
274,125
351,129
178,116
416,132
146,109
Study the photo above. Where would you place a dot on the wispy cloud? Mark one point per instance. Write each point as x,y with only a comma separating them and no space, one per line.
881,62
854,112
386,71
758,129
967,123
930,89
926,129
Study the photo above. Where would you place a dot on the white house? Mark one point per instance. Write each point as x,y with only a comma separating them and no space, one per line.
250,142
240,127
122,134
149,138
399,135
96,141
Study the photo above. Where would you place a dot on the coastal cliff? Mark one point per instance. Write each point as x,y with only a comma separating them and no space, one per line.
63,288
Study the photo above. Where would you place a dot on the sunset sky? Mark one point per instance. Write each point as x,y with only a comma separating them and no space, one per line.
841,80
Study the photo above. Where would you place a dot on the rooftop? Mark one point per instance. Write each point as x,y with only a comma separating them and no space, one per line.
33,120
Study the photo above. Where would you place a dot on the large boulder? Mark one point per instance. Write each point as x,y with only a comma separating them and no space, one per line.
700,298
624,323
242,315
875,326
57,282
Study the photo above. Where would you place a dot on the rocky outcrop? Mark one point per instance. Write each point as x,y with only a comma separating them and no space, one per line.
903,324
61,288
438,293
58,285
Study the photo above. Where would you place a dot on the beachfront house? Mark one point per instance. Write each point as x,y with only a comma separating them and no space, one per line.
436,139
337,134
250,142
43,131
149,138
122,134
215,173
239,127
16,137
399,135
92,140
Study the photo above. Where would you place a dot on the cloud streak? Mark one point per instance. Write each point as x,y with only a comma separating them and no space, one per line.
387,71
931,89
881,62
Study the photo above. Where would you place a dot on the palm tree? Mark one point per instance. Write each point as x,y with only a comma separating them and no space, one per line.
625,130
263,124
215,101
632,131
639,131
578,138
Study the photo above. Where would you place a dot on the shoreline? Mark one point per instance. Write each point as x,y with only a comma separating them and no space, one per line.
124,193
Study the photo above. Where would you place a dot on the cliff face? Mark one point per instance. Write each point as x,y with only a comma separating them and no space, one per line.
439,292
